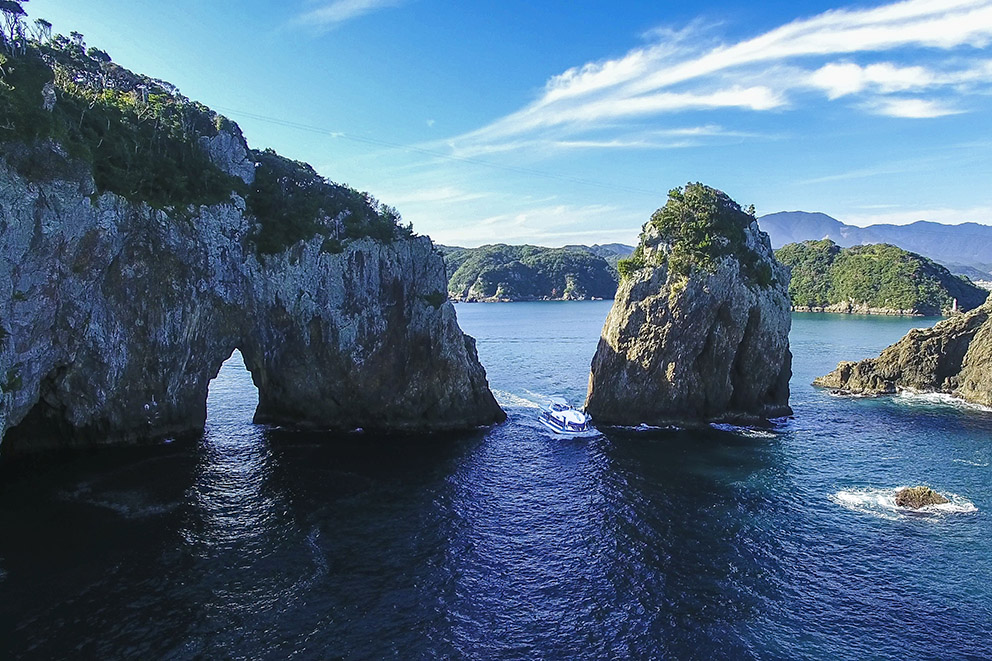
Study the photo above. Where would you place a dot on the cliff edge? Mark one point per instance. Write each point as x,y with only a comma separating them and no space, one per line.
699,329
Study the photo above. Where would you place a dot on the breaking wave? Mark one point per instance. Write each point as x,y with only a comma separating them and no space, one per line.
748,431
912,398
882,503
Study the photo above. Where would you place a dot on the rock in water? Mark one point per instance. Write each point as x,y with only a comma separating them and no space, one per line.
953,357
917,497
699,329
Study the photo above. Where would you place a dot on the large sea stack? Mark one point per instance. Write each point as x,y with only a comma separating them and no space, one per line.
953,357
143,242
699,329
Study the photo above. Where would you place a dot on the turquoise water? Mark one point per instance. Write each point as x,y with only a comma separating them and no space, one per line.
255,542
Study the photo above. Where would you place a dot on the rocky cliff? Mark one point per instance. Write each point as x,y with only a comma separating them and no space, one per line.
699,329
116,312
954,357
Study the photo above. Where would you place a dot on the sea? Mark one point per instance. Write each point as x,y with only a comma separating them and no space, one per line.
721,542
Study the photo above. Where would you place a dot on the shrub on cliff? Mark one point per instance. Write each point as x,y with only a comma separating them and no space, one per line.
292,203
138,135
140,139
696,227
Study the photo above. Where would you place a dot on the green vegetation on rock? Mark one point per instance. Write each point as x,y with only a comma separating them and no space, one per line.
293,203
138,136
67,111
509,273
878,276
696,228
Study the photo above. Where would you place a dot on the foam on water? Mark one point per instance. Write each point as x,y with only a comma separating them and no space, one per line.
128,504
913,398
748,431
882,503
512,400
976,464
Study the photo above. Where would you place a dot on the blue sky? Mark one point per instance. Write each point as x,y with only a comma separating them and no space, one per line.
568,121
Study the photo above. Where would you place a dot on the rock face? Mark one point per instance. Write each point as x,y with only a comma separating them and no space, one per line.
953,357
917,497
699,329
115,316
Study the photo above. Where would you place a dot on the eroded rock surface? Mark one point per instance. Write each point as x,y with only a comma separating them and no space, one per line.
952,357
115,316
917,497
697,332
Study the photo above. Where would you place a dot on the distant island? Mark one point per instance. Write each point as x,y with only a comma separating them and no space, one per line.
503,273
965,249
873,279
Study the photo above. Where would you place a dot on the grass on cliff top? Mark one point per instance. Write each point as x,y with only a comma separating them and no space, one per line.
878,275
698,226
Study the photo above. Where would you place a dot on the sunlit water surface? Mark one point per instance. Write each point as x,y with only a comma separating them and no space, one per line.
260,543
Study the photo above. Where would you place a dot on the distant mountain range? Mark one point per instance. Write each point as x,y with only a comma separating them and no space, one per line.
965,249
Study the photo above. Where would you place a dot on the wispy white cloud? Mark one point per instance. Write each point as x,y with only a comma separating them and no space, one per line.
657,139
541,224
912,108
328,15
947,215
674,75
440,195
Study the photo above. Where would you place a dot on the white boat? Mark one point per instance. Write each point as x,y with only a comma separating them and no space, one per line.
562,419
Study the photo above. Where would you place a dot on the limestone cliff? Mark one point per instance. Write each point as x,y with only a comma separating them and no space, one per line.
115,313
699,329
953,357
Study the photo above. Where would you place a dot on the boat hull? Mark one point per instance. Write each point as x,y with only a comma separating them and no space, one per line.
551,424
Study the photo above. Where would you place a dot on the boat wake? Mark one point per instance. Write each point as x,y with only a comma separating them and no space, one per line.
512,400
882,503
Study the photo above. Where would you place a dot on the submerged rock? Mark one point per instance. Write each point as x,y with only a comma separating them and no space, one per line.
917,497
699,329
953,357
116,315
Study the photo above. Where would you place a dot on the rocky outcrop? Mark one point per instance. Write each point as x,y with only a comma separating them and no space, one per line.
953,357
115,316
699,329
917,497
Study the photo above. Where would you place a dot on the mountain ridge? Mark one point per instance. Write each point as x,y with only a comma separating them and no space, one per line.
963,248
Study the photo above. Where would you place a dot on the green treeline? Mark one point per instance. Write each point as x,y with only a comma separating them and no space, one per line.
504,272
877,276
66,110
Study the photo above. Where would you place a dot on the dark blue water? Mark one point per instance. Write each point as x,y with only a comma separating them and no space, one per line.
258,543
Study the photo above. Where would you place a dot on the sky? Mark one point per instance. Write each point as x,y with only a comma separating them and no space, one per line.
568,121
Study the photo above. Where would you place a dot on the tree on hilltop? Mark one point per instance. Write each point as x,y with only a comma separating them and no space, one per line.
13,15
42,30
